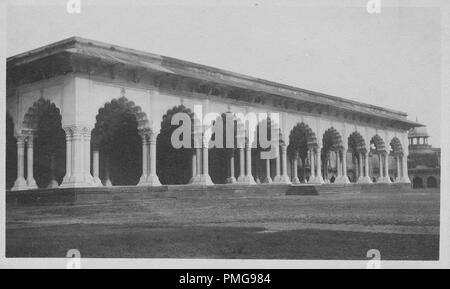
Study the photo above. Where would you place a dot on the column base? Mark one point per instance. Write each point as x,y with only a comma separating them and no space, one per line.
404,180
31,183
296,180
231,180
317,181
202,180
277,179
97,182
283,180
248,180
153,180
364,180
53,184
78,181
20,185
342,180
384,180
143,181
267,180
107,183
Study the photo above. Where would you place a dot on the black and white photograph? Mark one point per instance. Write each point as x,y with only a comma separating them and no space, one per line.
225,134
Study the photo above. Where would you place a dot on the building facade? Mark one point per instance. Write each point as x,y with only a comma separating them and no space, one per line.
424,161
81,113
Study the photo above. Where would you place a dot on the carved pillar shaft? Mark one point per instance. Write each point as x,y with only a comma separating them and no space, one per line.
145,157
380,157
194,164
241,163
20,183
199,161
386,167
152,178
30,163
268,177
319,178
312,164
68,155
366,159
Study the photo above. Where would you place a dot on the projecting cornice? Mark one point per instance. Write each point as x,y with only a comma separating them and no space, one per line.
78,55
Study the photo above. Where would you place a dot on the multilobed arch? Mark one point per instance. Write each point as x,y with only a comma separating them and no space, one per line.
396,146
105,116
117,135
173,165
332,140
37,110
378,144
356,143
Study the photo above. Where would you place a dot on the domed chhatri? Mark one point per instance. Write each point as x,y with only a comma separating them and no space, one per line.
420,131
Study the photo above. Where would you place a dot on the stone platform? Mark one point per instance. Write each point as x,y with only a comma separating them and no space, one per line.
136,193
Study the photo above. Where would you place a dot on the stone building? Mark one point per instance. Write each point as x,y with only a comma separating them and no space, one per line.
424,161
81,113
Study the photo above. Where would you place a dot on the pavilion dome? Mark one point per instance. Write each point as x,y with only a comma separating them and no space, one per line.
420,131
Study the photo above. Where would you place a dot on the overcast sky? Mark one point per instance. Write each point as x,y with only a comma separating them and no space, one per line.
391,59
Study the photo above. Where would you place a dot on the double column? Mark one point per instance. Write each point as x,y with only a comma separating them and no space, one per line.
21,183
202,177
245,160
342,167
282,176
149,176
364,177
316,166
78,156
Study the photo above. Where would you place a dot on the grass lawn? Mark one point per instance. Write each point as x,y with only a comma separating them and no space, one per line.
401,226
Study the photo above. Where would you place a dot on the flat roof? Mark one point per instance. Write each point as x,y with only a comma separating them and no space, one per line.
155,62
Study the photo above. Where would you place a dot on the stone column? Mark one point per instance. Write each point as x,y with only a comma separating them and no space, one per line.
53,183
268,179
381,177
399,171
232,178
241,177
31,183
144,176
277,177
405,178
198,154
312,176
88,179
194,166
20,183
248,178
295,179
386,168
284,173
96,167
319,178
77,177
345,179
361,169
107,182
366,159
66,179
152,178
338,169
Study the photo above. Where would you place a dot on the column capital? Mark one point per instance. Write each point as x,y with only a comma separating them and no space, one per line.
145,135
153,136
77,130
